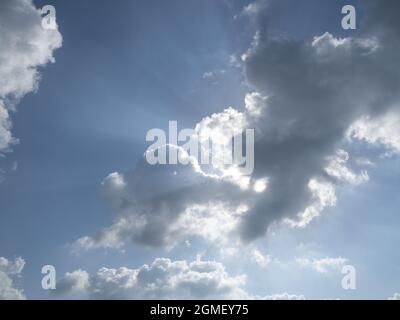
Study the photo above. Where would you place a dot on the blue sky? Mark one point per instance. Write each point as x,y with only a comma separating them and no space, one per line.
126,67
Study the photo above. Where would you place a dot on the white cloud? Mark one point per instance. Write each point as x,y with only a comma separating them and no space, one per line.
252,9
323,195
255,103
364,162
6,139
260,185
212,75
337,168
10,267
396,296
75,281
25,46
261,259
162,279
9,270
212,221
383,130
323,265
110,237
324,191
284,296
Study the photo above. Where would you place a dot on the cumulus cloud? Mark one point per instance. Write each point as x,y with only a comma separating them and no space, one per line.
25,46
8,271
162,279
307,95
75,281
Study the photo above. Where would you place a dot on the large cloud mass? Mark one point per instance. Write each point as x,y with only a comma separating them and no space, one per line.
24,46
309,97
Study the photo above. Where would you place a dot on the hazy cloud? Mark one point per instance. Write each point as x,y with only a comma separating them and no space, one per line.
396,296
323,265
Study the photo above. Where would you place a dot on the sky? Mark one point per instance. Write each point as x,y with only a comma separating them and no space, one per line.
76,192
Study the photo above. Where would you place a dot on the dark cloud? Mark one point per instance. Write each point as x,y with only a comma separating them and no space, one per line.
317,89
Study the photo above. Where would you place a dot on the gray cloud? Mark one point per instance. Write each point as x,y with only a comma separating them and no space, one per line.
307,95
317,89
